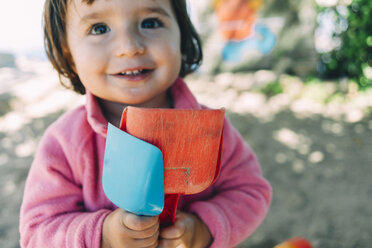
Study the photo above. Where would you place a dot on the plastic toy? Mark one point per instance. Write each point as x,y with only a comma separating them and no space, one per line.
236,17
240,29
122,182
296,242
190,143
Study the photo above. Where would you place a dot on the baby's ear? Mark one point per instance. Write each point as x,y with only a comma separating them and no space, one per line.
68,56
72,64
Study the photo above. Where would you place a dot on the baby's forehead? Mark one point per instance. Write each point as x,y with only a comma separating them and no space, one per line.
143,3
92,1
101,4
84,11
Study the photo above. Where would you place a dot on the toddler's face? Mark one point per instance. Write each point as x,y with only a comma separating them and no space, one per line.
125,51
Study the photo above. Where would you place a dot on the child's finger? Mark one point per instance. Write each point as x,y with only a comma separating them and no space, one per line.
139,223
170,243
173,232
151,241
145,234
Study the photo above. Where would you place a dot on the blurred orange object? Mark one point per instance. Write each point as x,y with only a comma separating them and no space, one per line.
236,17
296,242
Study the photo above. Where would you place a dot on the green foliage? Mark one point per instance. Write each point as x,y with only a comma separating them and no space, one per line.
353,57
272,89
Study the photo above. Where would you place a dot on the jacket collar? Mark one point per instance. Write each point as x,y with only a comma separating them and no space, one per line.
182,99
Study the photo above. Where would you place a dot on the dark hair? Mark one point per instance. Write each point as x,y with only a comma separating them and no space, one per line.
56,47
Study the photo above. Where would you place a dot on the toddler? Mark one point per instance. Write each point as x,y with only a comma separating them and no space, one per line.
128,53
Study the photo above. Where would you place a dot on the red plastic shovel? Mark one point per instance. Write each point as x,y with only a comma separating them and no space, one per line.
191,144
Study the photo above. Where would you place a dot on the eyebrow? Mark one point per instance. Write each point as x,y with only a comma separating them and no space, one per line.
91,16
158,10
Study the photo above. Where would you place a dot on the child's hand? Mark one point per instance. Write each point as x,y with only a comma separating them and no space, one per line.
187,231
122,229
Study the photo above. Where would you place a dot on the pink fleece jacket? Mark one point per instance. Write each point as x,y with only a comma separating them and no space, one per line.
64,204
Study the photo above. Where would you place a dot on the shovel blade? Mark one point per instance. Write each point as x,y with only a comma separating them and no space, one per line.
133,176
189,139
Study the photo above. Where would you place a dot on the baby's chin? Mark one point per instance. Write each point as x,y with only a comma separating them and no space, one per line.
158,101
136,103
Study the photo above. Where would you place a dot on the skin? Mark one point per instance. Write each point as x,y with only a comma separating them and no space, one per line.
111,37
123,229
187,231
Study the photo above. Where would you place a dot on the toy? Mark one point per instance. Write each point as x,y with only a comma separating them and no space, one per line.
296,242
190,142
240,29
236,17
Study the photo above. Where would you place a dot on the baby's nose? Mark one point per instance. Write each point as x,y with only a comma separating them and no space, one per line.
129,43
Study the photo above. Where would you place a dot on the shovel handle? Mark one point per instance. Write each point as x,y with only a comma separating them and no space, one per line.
168,216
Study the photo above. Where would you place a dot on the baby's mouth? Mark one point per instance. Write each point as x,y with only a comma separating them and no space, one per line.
134,73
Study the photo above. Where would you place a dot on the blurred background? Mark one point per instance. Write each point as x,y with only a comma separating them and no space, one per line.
295,78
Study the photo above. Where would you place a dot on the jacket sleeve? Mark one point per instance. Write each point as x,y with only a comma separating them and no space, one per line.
241,196
52,211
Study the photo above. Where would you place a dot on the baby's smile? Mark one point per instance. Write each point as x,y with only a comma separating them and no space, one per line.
135,74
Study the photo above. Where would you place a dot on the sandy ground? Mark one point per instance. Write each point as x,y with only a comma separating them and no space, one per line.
314,143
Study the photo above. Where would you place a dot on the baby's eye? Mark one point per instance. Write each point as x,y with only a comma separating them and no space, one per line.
99,28
151,23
